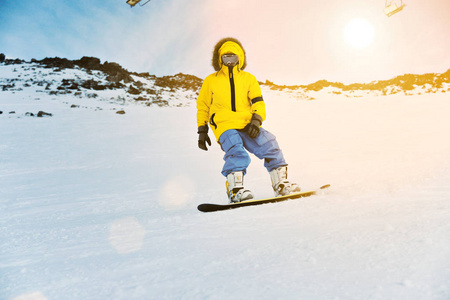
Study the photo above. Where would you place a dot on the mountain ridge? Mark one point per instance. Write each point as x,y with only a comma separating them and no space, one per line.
90,77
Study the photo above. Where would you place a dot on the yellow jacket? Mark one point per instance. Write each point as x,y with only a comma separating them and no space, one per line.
228,100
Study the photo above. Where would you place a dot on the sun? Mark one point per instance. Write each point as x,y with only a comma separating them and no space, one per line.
359,33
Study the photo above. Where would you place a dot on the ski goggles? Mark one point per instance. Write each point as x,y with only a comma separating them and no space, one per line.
230,59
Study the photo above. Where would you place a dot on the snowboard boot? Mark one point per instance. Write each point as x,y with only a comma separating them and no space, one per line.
281,184
235,188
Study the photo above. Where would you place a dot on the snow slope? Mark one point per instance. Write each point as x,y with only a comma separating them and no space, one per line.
98,205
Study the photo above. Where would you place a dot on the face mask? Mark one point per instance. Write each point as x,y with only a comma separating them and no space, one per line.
230,60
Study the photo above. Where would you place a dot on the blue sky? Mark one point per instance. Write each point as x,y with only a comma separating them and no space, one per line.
287,41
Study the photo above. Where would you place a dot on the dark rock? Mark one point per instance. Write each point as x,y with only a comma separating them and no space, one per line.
134,91
13,61
67,82
56,62
43,114
141,99
90,84
119,77
92,95
99,87
180,80
161,102
5,87
112,67
116,72
74,86
89,63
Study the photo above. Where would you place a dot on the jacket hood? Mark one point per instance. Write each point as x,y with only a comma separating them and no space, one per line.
227,45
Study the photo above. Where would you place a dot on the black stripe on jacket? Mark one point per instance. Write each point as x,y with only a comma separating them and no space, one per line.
257,99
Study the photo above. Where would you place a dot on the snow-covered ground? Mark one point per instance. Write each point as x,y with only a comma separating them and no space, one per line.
100,205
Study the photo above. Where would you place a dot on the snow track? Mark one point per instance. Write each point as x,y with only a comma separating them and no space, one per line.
97,205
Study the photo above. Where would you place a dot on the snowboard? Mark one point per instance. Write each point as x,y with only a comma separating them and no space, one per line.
211,207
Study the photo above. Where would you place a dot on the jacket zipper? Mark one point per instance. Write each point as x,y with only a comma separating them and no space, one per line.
233,92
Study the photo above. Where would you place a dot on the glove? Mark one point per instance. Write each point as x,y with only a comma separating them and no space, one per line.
252,128
203,137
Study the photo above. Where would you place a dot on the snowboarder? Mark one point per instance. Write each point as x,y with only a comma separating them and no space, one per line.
230,101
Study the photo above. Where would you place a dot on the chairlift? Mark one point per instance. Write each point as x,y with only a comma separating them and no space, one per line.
134,2
391,7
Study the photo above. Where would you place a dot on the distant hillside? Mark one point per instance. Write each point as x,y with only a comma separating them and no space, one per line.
429,83
88,77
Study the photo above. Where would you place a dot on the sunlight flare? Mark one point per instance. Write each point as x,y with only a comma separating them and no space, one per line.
359,33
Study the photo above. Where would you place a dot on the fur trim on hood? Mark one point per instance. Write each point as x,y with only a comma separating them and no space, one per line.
216,61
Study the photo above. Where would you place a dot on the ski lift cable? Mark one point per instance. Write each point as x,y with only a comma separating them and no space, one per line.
145,3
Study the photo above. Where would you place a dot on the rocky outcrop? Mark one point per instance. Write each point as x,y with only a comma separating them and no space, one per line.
180,81
114,71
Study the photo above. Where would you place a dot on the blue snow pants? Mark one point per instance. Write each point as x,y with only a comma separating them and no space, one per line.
235,143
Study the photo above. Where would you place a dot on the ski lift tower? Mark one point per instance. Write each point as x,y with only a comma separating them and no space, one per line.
391,7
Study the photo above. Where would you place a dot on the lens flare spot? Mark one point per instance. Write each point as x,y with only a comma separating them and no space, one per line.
177,192
126,235
31,296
